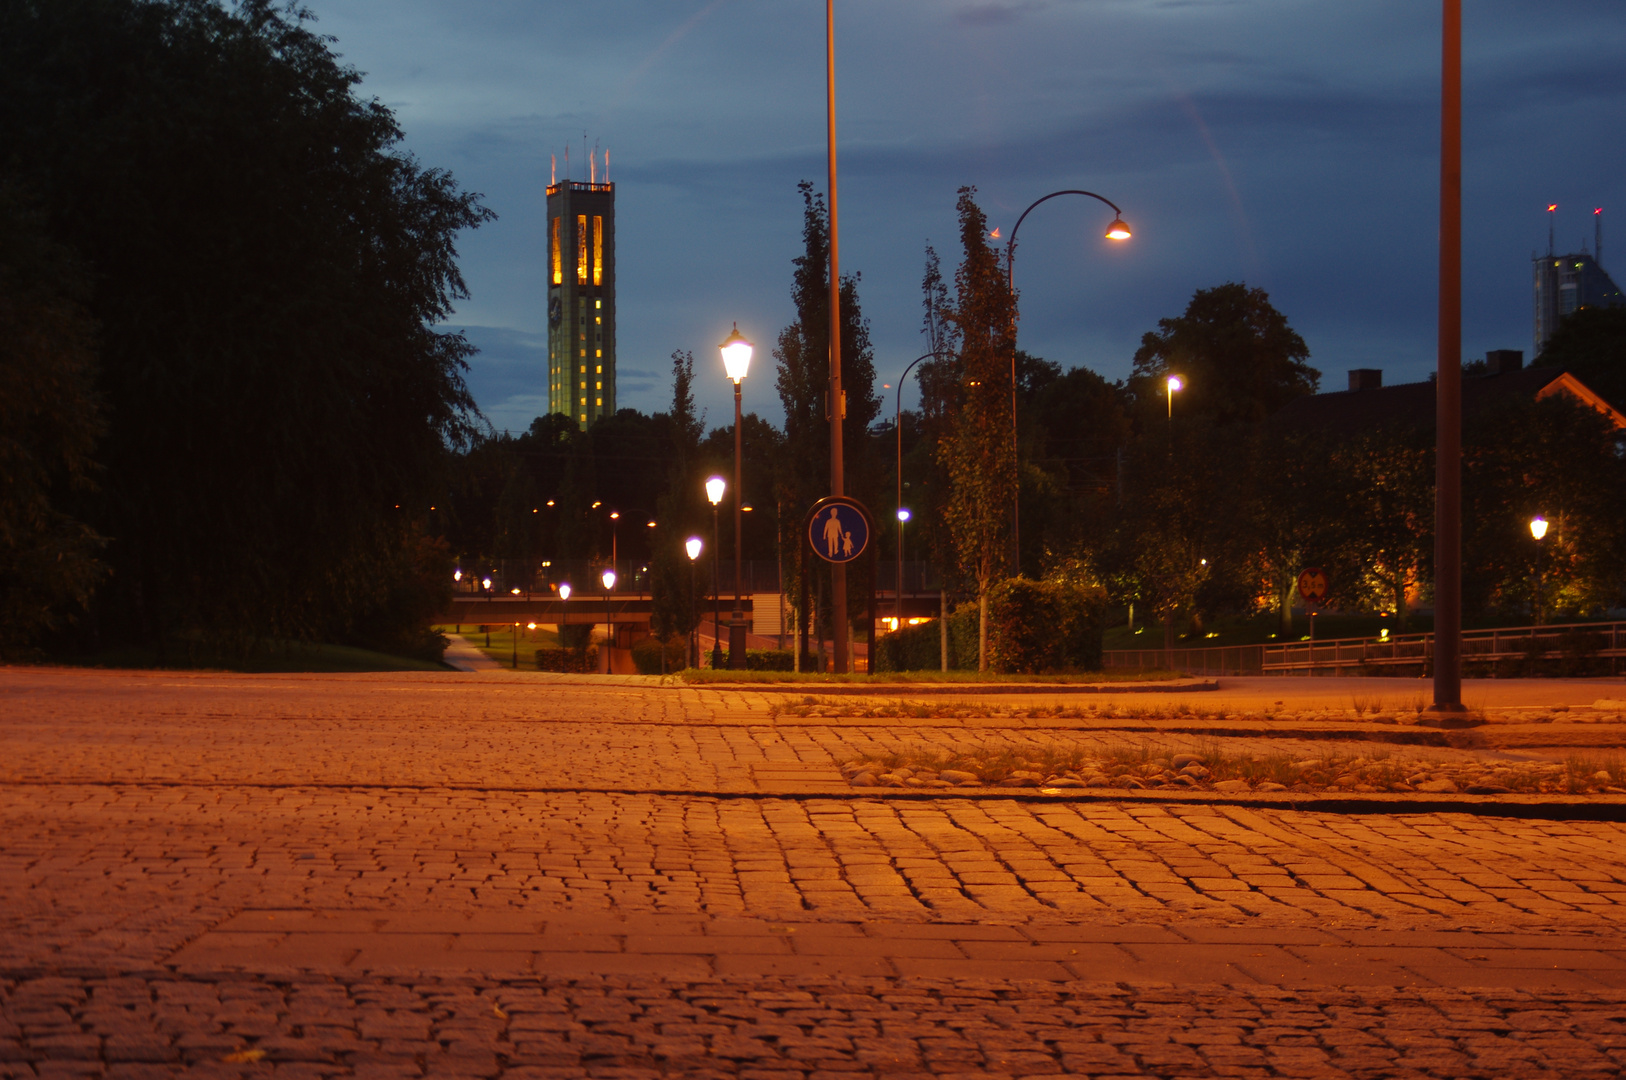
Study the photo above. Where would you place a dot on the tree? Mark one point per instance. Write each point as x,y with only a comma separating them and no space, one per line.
50,419
976,453
676,592
269,268
1239,359
1591,342
802,353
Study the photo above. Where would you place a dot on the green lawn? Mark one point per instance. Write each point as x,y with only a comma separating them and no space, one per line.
278,657
501,642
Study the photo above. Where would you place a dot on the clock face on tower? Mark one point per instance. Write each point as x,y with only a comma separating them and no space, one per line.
556,312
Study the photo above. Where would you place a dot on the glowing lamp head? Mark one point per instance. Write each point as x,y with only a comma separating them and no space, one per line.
1538,527
903,513
486,582
457,575
693,545
564,590
608,577
649,524
1118,230
515,590
736,354
714,489
530,626
1176,383
615,515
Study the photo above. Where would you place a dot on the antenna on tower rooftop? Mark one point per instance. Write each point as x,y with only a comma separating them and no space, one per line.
1597,237
1551,207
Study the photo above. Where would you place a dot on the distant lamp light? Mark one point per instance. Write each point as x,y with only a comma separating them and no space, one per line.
1118,230
608,577
693,545
515,590
550,502
615,515
736,354
650,523
564,590
530,626
1176,384
903,513
714,489
1383,634
486,582
457,575
746,509
1538,527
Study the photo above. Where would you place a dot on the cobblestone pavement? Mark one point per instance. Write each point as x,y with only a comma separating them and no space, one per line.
374,875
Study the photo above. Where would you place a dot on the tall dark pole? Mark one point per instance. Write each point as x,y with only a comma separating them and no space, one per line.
736,625
716,595
1448,381
838,401
1010,290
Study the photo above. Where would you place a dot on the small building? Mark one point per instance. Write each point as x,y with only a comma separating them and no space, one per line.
1368,404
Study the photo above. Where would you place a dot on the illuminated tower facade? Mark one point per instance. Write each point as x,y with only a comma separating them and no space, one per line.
581,300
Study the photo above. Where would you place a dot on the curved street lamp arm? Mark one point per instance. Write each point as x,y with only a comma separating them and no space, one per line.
1010,243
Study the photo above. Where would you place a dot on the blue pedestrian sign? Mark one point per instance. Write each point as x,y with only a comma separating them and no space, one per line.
838,530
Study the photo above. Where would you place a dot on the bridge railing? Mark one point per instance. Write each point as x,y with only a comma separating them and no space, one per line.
1569,648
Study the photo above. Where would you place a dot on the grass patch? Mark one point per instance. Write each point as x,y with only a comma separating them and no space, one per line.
1209,765
279,657
887,678
499,643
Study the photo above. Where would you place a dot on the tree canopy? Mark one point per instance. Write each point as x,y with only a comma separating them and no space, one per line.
267,269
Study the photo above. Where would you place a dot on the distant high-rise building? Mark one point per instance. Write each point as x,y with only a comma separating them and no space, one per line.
581,299
1564,284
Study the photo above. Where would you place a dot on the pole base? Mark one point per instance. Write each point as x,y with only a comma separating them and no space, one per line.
736,645
1447,707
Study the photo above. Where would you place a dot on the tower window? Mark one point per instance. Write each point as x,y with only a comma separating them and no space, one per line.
558,271
598,250
581,249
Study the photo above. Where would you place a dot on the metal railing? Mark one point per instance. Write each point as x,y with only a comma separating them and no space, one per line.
1573,648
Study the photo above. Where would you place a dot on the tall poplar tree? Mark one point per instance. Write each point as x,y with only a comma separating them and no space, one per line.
976,451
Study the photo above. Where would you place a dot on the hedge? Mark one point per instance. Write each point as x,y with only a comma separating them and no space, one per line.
1033,627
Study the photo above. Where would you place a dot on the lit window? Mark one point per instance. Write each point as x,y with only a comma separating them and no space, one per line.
558,271
598,251
600,402
598,303
584,369
584,415
600,354
599,370
598,386
584,352
581,249
599,319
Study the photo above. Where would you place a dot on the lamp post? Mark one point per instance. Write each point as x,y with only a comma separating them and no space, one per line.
897,427
897,608
714,492
1118,230
1448,378
737,361
615,536
693,545
564,611
1174,384
1538,529
608,577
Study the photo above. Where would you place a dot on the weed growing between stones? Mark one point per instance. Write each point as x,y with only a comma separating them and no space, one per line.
1210,766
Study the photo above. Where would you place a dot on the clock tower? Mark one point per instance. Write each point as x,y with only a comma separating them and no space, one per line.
581,299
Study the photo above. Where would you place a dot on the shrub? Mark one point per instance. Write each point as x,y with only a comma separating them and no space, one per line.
646,655
919,648
1053,624
770,660
573,661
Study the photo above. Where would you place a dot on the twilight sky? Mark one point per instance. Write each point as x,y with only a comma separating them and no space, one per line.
1291,144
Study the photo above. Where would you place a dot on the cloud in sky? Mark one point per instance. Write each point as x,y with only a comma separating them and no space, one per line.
1291,145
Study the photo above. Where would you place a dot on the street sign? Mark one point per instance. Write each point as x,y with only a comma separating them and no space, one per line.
838,530
1313,586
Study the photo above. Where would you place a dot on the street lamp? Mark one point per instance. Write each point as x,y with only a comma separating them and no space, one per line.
608,577
897,608
1538,529
714,492
1117,231
693,545
737,361
1174,384
897,427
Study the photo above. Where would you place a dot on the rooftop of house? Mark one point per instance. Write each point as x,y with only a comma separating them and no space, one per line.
1369,404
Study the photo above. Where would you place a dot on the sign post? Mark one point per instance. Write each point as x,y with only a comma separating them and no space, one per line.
839,530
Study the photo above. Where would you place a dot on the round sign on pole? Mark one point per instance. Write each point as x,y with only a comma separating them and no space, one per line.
1313,586
838,530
